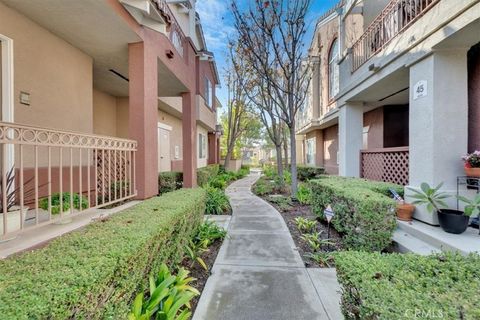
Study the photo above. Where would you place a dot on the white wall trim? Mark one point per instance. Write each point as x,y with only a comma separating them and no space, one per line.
7,79
7,93
164,126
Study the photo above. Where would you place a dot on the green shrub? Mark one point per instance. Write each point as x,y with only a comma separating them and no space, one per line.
364,214
208,232
307,173
282,202
217,201
205,174
77,200
408,286
263,187
269,171
94,273
219,182
304,194
169,181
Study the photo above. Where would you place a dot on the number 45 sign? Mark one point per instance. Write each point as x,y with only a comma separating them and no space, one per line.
420,89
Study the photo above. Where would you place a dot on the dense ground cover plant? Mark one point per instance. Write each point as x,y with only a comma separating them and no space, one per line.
305,173
78,201
168,297
209,232
95,272
205,174
217,201
409,286
169,181
364,211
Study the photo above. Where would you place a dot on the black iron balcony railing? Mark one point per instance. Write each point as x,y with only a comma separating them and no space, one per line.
397,16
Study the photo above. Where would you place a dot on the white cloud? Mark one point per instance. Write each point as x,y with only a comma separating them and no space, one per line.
215,23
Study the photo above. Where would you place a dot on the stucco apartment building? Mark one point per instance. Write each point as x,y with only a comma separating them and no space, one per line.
395,91
99,96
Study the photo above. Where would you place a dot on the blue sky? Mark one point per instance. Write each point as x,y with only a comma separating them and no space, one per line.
218,26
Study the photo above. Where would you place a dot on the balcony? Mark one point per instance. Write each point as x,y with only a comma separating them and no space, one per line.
50,176
397,16
385,164
157,15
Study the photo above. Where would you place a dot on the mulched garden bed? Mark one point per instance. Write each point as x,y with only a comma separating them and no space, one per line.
305,211
199,273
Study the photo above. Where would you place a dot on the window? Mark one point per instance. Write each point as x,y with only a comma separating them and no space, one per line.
311,151
208,93
202,146
333,70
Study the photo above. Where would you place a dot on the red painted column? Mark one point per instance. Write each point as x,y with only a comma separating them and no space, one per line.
189,129
212,148
143,114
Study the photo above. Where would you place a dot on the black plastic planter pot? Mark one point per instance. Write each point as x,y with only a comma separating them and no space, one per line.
453,221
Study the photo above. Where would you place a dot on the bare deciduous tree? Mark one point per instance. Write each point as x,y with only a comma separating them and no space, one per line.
272,38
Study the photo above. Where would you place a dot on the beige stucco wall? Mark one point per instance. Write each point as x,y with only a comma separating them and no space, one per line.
104,113
202,162
57,76
175,134
122,118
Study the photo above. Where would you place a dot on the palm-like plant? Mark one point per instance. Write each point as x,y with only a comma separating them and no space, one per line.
431,197
169,297
473,206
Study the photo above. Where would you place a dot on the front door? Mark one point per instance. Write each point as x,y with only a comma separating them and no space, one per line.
164,160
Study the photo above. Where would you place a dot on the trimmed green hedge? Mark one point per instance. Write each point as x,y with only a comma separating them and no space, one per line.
364,211
94,273
409,286
205,174
169,181
305,173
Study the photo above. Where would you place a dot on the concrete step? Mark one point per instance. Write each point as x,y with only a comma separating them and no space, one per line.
467,242
405,242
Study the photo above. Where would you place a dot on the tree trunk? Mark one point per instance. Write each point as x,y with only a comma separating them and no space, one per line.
285,151
280,165
227,159
293,160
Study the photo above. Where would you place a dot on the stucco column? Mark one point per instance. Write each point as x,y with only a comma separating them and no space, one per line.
350,140
212,148
189,129
142,120
438,121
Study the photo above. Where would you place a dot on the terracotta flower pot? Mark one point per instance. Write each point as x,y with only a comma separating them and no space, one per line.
472,172
405,211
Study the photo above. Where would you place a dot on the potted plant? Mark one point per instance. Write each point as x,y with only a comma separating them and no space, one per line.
472,207
451,221
13,211
404,210
472,164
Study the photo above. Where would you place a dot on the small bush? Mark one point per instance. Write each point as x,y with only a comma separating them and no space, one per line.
304,194
205,174
55,199
364,214
217,201
307,173
408,286
169,181
282,202
269,171
263,187
95,272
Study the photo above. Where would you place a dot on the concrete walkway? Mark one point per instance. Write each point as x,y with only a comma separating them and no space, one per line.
259,274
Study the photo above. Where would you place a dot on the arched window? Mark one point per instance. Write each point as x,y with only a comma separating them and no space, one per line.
333,70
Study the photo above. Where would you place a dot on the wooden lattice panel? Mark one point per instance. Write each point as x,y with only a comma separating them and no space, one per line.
389,165
112,167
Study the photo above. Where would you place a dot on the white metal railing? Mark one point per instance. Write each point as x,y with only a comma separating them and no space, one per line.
51,175
394,18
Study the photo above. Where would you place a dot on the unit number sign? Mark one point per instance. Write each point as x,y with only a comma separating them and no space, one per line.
420,89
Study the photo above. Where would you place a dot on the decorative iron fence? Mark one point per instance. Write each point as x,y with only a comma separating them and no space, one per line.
50,175
387,164
397,16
